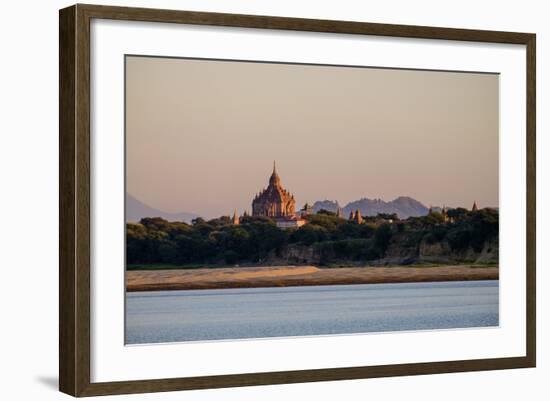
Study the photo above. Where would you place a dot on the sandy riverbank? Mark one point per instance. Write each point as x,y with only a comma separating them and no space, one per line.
284,276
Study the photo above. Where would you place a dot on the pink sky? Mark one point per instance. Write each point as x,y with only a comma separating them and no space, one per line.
202,135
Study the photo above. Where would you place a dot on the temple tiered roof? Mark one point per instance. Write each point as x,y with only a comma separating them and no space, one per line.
274,201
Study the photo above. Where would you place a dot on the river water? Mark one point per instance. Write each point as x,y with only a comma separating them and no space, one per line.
199,315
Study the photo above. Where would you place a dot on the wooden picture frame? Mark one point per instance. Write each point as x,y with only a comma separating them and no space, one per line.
74,204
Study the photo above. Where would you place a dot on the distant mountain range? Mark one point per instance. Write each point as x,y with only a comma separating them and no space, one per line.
136,210
404,206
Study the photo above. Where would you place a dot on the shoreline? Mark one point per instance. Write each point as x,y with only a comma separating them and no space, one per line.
293,276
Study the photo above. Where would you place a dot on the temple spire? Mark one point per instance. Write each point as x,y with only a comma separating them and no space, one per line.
274,180
358,218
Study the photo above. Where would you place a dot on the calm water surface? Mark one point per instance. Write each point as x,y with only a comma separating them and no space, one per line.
198,315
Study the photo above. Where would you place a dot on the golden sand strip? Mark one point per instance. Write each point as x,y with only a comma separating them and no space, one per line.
286,276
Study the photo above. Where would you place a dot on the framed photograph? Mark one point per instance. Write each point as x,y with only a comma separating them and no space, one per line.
250,200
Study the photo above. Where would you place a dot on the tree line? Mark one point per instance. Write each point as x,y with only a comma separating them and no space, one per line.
255,239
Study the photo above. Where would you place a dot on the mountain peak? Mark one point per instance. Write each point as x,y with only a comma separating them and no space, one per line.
403,206
136,210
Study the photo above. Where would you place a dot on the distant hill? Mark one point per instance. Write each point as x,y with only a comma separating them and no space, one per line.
136,210
331,206
404,206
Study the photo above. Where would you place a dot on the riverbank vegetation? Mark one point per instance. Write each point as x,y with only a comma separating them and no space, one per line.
326,239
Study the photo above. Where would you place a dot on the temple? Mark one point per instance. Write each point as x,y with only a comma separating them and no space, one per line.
274,201
277,203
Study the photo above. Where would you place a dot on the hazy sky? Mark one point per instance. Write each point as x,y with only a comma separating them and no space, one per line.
202,135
